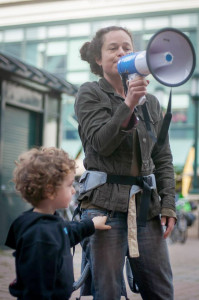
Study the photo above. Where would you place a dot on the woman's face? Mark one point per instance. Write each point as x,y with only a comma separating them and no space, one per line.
116,44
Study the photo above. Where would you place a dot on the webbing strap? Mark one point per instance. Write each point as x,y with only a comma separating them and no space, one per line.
146,195
144,205
147,123
166,123
122,179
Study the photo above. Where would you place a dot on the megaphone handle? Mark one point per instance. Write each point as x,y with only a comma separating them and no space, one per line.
142,99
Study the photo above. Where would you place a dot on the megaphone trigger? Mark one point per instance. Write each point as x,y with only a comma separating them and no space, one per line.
142,100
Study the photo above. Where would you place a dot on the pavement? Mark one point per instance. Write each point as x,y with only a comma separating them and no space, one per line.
184,261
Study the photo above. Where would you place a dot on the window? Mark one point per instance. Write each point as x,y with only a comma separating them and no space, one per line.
180,104
56,56
50,136
134,25
1,36
79,29
18,95
71,134
74,61
100,24
188,20
35,54
13,35
182,118
57,31
156,22
137,42
36,33
78,77
14,49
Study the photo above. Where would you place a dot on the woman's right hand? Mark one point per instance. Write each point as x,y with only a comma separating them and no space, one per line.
137,88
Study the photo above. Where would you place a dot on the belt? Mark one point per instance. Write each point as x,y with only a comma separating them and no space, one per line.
92,179
145,182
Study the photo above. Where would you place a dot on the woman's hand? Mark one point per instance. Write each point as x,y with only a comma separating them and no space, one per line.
99,223
137,88
169,222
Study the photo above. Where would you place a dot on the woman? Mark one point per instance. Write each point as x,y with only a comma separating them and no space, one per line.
115,140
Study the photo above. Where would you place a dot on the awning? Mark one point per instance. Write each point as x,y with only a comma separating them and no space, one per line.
15,66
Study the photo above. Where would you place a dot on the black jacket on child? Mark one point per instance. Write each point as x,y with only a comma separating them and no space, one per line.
44,267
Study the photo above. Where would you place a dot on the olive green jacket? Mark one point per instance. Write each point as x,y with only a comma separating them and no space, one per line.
109,147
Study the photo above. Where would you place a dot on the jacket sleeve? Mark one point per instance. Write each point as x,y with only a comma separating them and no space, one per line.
37,268
98,124
77,231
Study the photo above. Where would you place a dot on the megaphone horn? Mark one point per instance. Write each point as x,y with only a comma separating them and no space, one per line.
170,58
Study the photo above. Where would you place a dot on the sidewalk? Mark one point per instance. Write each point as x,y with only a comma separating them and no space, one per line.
184,260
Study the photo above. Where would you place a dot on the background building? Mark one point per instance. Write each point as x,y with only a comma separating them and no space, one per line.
49,34
30,115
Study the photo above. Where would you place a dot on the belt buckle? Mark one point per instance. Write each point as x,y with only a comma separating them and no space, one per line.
148,179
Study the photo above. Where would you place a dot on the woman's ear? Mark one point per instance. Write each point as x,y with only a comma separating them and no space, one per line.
99,62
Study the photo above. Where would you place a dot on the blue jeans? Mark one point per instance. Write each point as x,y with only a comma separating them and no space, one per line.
107,251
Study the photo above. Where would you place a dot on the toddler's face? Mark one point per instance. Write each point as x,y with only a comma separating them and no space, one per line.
65,192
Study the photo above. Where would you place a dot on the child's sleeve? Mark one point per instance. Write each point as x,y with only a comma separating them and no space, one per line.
77,231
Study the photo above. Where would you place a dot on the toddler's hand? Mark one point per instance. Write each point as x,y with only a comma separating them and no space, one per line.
99,223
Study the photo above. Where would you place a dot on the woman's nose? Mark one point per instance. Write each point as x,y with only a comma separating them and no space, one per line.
121,51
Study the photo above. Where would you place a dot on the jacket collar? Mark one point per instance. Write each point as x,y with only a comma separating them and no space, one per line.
107,88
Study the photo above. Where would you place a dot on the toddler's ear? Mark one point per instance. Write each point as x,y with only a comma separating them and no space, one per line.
49,192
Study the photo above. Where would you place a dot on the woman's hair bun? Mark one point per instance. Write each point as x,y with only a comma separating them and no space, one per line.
85,51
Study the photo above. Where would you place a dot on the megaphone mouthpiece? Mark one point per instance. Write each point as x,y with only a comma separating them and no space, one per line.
161,59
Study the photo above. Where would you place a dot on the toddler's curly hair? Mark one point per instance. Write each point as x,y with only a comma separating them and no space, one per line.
41,170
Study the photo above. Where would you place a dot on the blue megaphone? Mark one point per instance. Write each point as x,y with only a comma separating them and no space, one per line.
170,58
